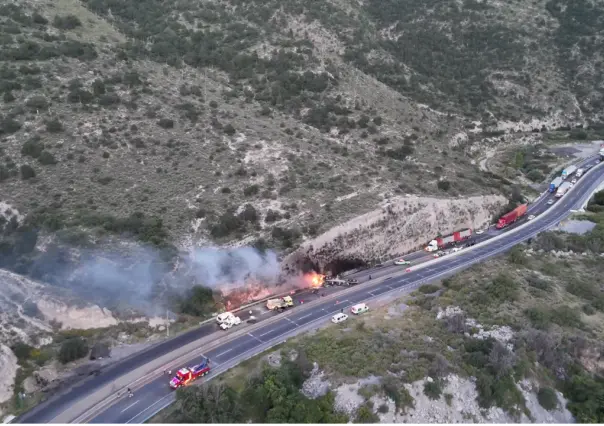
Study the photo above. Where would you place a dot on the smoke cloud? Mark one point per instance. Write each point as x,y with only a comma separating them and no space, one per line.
231,269
136,276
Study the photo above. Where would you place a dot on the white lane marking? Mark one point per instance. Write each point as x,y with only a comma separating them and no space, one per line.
251,335
305,316
293,322
371,293
222,353
266,312
131,405
155,403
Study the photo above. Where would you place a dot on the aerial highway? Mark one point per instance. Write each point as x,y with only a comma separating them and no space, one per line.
153,393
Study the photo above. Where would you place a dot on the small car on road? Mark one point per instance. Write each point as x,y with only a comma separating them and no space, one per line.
550,202
402,262
531,217
339,317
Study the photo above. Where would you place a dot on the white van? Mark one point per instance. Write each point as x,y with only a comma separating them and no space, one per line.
224,317
338,318
359,309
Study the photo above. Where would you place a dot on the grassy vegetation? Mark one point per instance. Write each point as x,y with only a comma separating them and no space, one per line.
270,396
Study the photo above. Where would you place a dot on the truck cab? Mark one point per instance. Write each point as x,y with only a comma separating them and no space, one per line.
280,303
185,375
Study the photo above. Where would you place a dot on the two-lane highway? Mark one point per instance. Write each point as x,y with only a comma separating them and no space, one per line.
155,394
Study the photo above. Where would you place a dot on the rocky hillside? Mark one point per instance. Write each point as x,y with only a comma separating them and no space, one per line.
188,121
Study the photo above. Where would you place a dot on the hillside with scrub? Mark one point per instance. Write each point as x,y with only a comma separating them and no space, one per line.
218,121
136,134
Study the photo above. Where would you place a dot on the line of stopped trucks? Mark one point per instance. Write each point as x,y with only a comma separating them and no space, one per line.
439,246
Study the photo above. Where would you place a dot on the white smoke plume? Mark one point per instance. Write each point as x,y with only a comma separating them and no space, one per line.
137,277
228,270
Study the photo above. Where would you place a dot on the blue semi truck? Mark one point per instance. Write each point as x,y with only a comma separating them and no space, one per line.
555,184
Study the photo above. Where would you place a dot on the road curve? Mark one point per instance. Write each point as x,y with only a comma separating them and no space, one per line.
155,394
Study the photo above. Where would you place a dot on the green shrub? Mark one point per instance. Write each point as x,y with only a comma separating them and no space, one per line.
72,349
503,288
444,185
398,393
32,147
68,22
47,158
166,123
248,191
199,302
229,130
566,316
540,318
272,216
537,282
9,126
8,97
54,126
517,256
227,224
365,414
37,103
27,172
433,389
428,288
22,351
547,398
585,395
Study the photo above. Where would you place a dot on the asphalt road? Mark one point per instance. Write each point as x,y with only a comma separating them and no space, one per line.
156,394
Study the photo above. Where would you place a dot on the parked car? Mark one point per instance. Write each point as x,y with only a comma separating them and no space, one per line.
338,318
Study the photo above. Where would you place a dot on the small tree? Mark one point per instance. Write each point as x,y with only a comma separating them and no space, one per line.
547,398
72,349
229,130
68,22
47,158
27,172
444,185
166,123
8,96
54,126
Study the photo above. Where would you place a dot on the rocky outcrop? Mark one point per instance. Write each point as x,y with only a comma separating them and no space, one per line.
8,367
400,225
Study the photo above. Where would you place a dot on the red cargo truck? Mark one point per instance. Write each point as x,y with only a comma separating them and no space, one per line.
442,242
513,216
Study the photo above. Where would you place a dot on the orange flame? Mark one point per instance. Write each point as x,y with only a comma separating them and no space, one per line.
314,280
